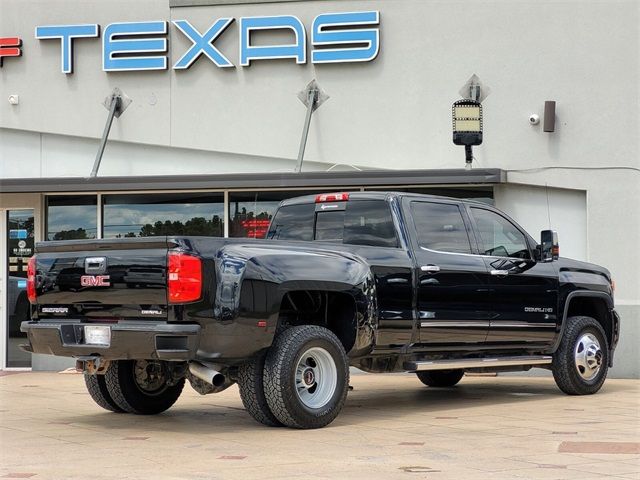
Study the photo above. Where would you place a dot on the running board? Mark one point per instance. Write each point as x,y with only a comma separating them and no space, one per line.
465,363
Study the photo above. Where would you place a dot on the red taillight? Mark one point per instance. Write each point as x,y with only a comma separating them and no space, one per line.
184,277
332,197
31,280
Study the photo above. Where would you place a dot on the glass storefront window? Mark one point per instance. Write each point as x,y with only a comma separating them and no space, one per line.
20,244
71,217
148,215
250,212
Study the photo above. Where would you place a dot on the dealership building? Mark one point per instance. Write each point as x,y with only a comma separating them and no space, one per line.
220,109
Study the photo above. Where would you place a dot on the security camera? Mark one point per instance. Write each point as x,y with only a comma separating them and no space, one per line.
534,119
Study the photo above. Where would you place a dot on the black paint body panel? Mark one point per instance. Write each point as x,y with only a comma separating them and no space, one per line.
400,310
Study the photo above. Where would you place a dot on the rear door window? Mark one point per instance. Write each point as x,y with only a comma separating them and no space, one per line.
369,222
440,227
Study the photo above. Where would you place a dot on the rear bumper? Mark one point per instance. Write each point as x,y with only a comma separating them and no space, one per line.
129,341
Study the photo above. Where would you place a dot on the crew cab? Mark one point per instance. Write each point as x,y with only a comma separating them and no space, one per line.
385,282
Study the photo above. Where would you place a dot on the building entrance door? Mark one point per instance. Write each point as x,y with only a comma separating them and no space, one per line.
19,243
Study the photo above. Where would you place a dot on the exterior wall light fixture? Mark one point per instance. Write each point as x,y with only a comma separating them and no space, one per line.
467,126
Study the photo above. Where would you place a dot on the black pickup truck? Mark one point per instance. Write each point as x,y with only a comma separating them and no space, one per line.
385,282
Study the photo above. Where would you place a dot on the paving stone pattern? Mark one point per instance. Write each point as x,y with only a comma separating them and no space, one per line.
392,427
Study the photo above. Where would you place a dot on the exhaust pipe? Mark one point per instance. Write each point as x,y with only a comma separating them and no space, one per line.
207,373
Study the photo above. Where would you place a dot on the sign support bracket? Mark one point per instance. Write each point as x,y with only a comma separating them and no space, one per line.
116,103
312,97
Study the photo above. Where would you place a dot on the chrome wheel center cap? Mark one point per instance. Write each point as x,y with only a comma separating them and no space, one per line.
588,356
309,377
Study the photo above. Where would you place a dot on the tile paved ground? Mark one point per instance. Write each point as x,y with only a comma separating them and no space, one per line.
391,428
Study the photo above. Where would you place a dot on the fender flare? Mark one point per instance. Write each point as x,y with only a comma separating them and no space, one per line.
598,295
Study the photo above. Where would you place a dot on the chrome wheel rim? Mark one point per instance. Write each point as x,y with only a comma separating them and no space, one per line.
588,356
316,377
149,377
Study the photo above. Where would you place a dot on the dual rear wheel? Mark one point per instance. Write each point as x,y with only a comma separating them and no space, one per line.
143,387
301,382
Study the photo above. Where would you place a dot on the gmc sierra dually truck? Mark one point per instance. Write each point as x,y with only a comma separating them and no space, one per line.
385,282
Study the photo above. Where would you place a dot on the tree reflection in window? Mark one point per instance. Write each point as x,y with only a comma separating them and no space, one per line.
150,215
71,217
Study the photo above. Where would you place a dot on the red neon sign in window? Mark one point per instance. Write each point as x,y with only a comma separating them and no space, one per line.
256,228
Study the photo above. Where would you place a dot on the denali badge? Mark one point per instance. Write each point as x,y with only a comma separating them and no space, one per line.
151,312
95,281
538,309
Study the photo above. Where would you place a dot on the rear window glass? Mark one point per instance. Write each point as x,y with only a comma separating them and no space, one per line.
294,222
330,225
366,222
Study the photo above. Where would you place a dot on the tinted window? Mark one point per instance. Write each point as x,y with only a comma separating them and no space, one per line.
198,214
250,213
498,236
369,222
294,222
440,227
365,222
330,225
72,217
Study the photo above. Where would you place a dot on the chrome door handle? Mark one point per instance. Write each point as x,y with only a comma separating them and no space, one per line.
500,273
430,268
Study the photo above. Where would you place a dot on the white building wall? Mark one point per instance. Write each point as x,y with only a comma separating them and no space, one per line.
394,112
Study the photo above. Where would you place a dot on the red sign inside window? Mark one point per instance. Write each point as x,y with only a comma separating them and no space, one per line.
256,228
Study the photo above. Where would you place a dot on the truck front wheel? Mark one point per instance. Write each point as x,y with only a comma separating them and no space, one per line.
142,386
581,362
306,377
440,378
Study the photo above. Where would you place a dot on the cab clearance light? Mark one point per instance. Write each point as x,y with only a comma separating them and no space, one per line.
184,277
31,280
332,197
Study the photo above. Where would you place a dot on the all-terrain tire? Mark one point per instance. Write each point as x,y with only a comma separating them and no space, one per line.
97,388
251,384
130,397
440,378
290,350
566,372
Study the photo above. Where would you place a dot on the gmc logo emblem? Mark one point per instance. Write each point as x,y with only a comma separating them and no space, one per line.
95,281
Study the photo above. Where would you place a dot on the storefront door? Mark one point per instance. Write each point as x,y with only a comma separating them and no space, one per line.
19,241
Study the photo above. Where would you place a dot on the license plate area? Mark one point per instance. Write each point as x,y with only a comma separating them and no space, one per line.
99,335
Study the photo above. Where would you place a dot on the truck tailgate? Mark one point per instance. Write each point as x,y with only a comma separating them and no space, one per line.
103,279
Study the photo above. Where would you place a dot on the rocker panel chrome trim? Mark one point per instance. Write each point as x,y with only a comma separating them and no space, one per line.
465,363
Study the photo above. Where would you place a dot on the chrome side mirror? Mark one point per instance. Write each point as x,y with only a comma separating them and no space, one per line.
549,247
